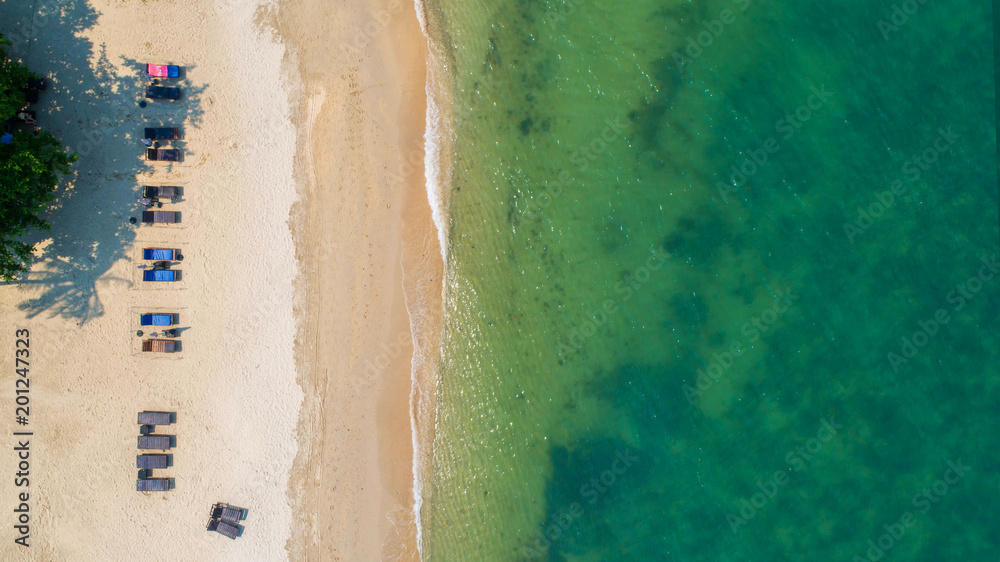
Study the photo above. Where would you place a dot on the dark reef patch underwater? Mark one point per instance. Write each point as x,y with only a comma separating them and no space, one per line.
723,282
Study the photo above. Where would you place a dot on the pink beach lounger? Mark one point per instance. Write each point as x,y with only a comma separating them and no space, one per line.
163,70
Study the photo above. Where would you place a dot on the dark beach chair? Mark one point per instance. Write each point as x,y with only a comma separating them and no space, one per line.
152,461
229,513
155,442
163,93
156,320
32,88
161,133
161,217
161,346
163,154
155,418
161,192
152,485
163,70
223,528
161,275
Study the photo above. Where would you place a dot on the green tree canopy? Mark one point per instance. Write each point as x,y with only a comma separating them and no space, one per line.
29,172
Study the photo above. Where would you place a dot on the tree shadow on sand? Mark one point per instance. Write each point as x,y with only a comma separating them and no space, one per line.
92,106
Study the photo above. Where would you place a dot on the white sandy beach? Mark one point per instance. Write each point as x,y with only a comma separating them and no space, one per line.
291,283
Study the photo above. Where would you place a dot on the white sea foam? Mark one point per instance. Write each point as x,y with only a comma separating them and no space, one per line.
437,171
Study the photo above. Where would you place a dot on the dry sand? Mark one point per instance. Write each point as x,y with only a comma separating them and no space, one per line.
292,389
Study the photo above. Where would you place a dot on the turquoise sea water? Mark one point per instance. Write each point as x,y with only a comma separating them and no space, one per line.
722,282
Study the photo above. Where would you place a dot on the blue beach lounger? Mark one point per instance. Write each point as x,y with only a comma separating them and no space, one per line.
156,319
158,254
159,275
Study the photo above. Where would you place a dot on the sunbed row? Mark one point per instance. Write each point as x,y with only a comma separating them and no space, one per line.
146,463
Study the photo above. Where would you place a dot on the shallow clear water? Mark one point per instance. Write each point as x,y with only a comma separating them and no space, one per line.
720,283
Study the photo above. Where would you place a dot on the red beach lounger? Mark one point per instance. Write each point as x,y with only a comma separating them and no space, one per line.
163,154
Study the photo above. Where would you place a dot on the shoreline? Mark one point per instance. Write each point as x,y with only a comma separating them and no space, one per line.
358,231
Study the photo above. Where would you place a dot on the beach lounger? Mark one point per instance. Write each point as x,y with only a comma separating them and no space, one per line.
223,528
161,133
152,461
161,346
156,320
161,217
155,418
163,70
163,93
161,192
161,275
156,442
163,154
229,513
152,485
162,254
159,254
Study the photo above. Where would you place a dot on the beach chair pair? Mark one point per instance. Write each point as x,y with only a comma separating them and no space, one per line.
225,520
